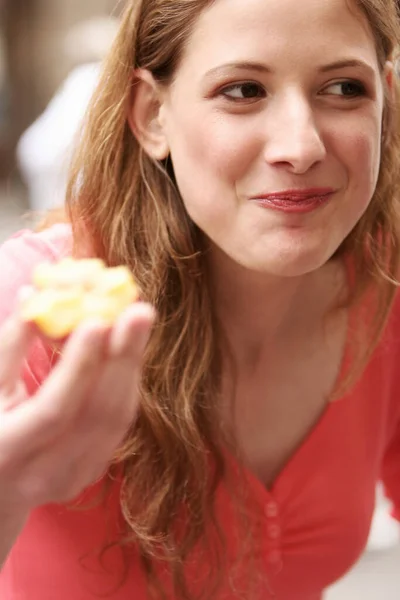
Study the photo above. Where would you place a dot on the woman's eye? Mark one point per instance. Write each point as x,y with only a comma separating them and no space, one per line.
244,91
346,89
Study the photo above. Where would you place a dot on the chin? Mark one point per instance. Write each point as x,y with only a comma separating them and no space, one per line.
292,265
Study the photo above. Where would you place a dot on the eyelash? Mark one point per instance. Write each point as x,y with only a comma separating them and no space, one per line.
224,91
360,90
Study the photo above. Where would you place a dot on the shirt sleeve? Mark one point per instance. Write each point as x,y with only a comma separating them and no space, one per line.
18,257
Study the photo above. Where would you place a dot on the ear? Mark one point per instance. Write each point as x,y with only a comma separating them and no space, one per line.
144,115
389,76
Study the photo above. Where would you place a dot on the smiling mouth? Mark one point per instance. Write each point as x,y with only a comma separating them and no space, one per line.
295,201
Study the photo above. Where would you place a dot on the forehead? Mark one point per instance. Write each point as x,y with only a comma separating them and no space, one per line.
301,31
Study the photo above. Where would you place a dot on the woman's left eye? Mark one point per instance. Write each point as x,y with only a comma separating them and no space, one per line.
243,91
346,89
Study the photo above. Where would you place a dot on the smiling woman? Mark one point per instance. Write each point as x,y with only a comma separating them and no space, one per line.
248,175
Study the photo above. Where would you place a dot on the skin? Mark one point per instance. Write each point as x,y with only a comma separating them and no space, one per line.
304,125
54,444
299,122
273,278
301,132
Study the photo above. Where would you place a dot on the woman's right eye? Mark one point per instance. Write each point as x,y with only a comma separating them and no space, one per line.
243,92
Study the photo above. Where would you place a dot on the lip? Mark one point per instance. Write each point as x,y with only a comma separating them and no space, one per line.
295,200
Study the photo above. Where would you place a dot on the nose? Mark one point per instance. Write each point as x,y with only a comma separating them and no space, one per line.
293,139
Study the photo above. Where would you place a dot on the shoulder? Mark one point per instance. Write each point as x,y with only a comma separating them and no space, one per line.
27,245
20,254
18,257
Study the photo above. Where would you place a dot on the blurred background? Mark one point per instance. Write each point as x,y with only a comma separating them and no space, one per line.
50,51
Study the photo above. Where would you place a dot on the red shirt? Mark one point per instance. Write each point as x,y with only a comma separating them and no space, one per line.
315,520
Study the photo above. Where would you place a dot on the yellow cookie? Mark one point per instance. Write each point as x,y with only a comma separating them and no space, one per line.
70,291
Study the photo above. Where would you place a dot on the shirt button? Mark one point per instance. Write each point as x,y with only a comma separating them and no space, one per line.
271,510
274,532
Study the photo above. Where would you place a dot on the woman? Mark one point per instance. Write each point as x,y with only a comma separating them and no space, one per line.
243,160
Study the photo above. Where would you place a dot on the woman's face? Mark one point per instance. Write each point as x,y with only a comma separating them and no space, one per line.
274,127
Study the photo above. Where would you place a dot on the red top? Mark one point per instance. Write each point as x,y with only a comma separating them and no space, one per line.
315,520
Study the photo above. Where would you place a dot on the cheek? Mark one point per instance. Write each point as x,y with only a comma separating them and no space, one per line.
361,151
365,160
212,149
209,155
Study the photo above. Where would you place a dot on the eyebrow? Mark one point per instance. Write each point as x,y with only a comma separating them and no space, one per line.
262,68
241,65
351,62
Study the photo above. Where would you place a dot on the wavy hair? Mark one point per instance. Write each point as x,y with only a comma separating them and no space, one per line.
125,207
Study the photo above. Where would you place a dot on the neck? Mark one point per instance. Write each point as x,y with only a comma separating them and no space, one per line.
260,311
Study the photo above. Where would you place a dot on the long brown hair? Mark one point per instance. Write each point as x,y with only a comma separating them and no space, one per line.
125,208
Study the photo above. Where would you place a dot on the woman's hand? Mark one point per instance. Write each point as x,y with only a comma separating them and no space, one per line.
57,442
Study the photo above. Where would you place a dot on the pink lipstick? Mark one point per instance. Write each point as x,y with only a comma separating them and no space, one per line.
295,201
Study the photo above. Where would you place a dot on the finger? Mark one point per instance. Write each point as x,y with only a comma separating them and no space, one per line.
62,395
114,401
66,391
12,400
132,330
79,417
81,358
